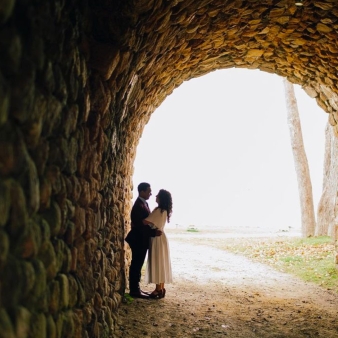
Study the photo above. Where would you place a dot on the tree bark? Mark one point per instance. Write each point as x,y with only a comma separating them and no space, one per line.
301,163
327,206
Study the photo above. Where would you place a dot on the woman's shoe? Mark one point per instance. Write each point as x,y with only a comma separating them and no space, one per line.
163,293
156,294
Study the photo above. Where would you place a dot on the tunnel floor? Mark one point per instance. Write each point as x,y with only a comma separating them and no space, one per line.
219,294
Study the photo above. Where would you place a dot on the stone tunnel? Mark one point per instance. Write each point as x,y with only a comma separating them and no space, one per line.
79,80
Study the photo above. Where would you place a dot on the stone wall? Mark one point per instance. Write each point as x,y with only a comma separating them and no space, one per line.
79,80
65,189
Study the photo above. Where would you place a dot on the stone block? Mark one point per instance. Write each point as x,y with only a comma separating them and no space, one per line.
12,280
85,197
104,58
67,259
53,217
61,91
68,325
29,241
70,233
90,224
71,163
37,298
76,188
18,214
48,258
79,244
30,183
22,322
13,151
38,327
109,320
90,248
47,78
78,323
84,105
28,278
81,296
79,221
52,119
53,174
73,290
45,193
74,259
58,152
59,325
62,202
6,326
5,193
88,282
54,297
70,118
59,246
32,130
64,290
40,156
44,229
51,327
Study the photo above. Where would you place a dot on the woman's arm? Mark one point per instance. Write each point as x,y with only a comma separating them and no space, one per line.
151,224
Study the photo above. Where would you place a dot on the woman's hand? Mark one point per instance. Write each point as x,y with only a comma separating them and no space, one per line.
158,232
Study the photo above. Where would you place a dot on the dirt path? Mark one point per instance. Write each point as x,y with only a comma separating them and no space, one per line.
218,294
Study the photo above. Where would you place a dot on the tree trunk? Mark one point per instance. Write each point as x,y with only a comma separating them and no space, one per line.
327,207
301,163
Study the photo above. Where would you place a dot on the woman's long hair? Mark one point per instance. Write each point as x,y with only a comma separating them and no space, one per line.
165,202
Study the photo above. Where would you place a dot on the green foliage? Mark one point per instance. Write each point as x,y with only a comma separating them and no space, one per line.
315,240
127,298
311,259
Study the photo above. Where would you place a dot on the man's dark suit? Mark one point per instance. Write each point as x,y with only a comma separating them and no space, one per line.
138,240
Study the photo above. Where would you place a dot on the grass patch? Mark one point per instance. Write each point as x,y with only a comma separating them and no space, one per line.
311,259
127,298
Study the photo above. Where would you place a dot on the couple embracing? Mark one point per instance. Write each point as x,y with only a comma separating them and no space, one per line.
147,232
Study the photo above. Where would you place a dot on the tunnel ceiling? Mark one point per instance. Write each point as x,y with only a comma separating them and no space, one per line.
163,43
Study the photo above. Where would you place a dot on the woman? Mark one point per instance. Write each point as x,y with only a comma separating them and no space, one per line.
159,266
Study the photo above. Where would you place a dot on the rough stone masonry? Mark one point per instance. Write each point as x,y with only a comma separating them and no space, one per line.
78,82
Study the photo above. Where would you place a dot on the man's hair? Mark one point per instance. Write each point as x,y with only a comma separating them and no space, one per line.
143,186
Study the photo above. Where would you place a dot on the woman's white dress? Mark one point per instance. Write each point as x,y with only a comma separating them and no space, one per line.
158,265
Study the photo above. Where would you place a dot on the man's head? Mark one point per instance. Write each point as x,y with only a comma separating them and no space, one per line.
144,190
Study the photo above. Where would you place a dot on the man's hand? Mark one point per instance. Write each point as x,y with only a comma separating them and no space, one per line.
158,232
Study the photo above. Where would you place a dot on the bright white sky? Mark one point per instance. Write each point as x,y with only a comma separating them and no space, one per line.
220,144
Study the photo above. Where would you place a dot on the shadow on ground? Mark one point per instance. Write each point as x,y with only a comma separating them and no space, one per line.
219,294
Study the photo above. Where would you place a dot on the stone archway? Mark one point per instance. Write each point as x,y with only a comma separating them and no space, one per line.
78,82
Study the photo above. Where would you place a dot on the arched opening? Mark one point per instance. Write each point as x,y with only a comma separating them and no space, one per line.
221,144
197,277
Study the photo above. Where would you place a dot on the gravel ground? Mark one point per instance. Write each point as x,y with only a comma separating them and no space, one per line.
219,294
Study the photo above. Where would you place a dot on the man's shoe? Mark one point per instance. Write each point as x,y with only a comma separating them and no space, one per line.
139,294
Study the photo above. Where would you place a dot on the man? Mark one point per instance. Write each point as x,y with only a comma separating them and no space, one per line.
138,239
